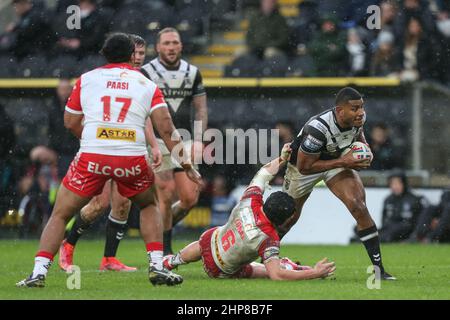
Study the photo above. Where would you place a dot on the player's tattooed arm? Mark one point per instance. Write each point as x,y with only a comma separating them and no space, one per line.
201,113
74,123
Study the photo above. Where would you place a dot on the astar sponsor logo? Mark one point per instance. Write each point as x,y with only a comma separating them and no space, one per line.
116,134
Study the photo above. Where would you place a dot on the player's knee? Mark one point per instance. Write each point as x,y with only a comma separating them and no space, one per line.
357,208
188,200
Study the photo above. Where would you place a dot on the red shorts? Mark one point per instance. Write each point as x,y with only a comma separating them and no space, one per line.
89,172
210,265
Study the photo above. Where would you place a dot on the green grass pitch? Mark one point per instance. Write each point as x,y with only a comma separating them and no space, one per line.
423,272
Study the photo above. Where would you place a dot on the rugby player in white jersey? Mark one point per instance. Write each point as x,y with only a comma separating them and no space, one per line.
107,110
116,224
252,231
317,155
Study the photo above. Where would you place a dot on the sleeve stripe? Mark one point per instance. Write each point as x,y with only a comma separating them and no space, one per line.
306,152
199,94
161,105
73,111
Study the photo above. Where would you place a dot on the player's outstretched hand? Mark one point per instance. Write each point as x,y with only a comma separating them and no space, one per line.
286,152
351,163
324,268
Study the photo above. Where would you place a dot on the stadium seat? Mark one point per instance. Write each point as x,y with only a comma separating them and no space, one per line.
63,66
7,64
32,67
274,67
128,19
89,63
302,66
243,66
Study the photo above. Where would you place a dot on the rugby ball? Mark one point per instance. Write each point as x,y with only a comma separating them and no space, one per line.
359,150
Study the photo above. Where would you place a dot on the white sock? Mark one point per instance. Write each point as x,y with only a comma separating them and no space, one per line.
177,260
41,266
155,258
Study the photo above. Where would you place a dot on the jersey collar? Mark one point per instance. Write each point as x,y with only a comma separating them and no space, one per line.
118,65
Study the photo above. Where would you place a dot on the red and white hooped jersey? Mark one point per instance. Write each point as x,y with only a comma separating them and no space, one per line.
115,100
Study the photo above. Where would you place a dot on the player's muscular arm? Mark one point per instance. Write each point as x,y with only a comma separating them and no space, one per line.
162,121
150,134
151,140
201,113
321,270
74,123
310,164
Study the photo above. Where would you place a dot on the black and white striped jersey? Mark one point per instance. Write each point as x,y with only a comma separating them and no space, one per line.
179,86
322,135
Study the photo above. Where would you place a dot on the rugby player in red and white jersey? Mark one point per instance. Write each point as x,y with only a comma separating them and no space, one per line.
116,224
108,109
252,231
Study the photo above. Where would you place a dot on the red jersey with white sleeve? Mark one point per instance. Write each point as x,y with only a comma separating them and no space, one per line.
115,100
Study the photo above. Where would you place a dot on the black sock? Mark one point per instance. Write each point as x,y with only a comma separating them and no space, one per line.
369,237
78,228
167,242
114,233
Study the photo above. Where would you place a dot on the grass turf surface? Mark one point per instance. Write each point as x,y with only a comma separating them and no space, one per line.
423,272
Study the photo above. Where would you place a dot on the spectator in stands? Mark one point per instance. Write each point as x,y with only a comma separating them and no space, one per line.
357,53
221,203
433,224
416,9
419,54
268,33
7,142
38,190
383,62
401,210
89,38
328,48
385,155
31,34
60,139
443,27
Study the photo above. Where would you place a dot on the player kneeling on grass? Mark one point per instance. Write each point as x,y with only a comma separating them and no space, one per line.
252,230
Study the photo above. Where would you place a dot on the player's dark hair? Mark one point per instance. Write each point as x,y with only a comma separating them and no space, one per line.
166,30
118,47
279,207
346,94
138,40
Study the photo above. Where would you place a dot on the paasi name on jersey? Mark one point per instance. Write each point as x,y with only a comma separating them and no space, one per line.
115,101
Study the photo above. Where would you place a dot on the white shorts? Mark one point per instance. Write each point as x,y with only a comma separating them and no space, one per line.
169,162
297,185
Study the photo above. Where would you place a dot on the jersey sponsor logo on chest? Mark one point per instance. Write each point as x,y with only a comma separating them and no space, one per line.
116,134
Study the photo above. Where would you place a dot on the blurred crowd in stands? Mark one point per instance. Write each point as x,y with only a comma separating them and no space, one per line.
332,38
326,38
